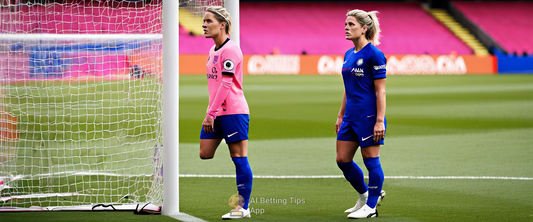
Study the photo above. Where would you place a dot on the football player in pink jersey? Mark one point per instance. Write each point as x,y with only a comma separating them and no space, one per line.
227,114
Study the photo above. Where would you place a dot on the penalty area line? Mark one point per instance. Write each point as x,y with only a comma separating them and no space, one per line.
386,177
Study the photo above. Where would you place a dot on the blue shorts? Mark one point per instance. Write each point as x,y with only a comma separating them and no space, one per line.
363,132
232,128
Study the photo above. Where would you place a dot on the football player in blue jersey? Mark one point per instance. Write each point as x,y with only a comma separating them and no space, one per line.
361,121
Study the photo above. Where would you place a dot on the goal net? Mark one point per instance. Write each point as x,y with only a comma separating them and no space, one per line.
80,103
192,14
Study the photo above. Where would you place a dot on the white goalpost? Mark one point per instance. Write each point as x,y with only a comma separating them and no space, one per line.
171,107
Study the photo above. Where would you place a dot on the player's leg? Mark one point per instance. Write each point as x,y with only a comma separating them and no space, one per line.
209,141
243,172
236,136
352,172
375,182
347,145
370,152
208,147
375,174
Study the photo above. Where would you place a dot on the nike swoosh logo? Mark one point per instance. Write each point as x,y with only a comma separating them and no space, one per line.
230,135
370,116
364,139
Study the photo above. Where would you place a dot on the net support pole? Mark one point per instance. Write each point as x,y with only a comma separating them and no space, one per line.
170,107
233,7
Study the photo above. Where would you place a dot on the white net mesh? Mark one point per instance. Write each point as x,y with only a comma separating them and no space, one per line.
80,102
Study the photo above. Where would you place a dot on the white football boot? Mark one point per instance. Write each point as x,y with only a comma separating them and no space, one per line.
364,212
360,203
381,197
237,214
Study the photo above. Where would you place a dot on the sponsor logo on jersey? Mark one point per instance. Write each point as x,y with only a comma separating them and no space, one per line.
380,67
359,72
211,76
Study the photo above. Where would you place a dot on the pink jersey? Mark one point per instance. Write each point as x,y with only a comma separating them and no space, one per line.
224,80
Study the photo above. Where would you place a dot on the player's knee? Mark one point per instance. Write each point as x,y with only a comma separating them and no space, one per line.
341,159
206,156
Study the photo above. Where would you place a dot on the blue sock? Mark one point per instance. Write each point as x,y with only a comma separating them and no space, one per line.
354,175
375,180
244,178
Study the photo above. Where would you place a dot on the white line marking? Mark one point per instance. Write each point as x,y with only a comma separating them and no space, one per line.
70,173
186,217
386,177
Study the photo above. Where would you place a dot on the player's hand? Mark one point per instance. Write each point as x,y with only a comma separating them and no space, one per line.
379,131
209,124
338,125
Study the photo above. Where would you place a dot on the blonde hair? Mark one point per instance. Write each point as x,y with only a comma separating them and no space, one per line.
222,15
371,21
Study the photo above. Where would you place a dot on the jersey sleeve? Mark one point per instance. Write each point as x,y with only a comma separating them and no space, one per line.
221,95
379,66
230,58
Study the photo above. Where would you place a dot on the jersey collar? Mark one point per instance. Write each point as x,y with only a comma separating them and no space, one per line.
227,40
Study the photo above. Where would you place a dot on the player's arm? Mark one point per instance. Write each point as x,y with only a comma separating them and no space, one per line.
379,128
222,93
229,59
380,74
340,116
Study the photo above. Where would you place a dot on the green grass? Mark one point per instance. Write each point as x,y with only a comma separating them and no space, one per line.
477,126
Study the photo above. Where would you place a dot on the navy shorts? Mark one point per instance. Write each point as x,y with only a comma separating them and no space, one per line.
363,132
232,128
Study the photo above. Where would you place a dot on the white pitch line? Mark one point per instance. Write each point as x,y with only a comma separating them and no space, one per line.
386,177
186,217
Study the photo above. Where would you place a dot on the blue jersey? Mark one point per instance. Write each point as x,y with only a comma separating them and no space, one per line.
359,71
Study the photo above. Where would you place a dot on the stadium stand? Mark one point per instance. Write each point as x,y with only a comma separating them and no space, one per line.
509,23
317,28
290,28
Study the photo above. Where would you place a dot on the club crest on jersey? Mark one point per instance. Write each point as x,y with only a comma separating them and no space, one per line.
360,62
215,60
229,65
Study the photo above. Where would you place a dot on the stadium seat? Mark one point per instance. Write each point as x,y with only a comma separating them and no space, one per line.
317,28
508,23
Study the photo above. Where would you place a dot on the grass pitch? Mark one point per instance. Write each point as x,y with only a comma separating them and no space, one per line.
458,148
465,142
